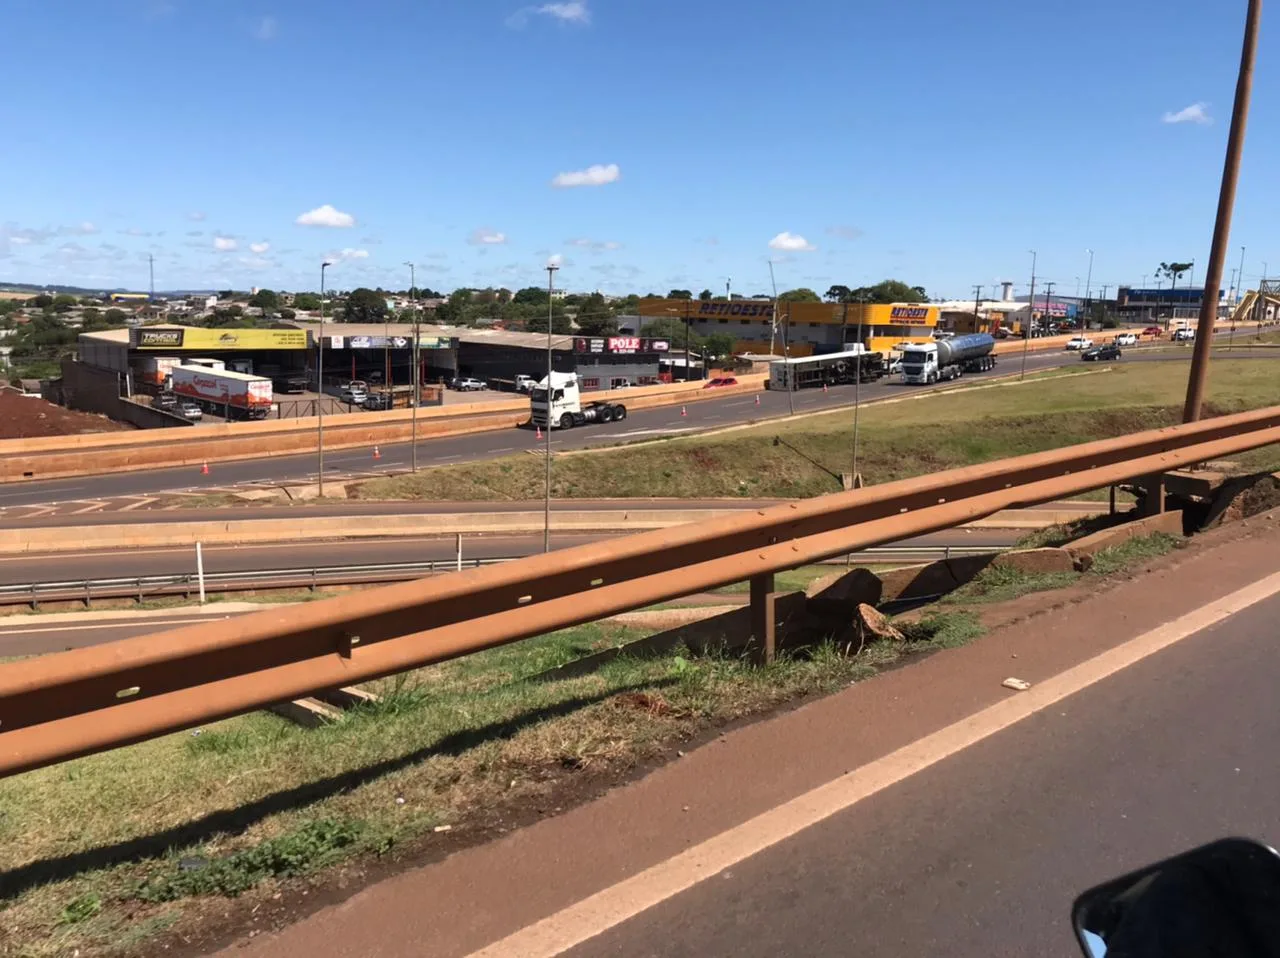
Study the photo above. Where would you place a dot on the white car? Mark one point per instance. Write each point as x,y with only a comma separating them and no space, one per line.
469,385
1184,336
1127,339
1080,342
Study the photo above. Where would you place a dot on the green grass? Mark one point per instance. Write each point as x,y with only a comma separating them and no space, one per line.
792,580
1133,552
1001,584
805,457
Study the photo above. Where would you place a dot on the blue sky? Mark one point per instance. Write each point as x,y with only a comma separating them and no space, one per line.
927,140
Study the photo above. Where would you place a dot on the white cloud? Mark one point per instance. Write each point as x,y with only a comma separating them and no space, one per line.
566,11
1195,113
225,244
486,237
791,242
574,11
196,217
264,29
348,253
555,259
326,216
134,231
84,229
259,248
596,246
596,175
844,232
20,240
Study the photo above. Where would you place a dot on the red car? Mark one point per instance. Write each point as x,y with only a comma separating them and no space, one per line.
718,383
1152,331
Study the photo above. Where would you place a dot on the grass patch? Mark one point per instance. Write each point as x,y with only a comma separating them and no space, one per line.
1120,557
941,630
281,803
1002,583
792,580
898,440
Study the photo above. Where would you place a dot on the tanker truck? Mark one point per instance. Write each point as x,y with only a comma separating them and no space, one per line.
947,358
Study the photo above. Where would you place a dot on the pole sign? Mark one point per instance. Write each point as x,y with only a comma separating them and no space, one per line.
620,345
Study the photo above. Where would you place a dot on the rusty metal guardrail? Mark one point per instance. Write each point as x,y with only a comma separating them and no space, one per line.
88,700
188,583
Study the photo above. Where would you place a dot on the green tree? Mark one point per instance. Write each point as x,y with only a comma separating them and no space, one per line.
114,316
365,305
62,303
801,295
43,301
706,295
306,301
889,291
680,294
9,306
595,317
266,300
1173,271
451,311
530,296
718,346
560,323
288,313
672,328
838,294
91,318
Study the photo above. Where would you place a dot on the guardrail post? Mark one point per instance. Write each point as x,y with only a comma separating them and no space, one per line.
764,617
1111,501
459,569
200,570
1152,502
87,598
139,590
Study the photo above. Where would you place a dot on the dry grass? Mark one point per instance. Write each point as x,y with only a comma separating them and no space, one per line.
806,457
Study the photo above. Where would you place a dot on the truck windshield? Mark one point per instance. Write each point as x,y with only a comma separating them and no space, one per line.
540,395
914,357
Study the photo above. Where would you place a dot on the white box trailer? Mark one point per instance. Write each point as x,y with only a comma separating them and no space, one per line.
154,370
223,392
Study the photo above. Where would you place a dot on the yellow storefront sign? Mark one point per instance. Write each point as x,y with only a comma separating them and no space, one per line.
212,340
826,314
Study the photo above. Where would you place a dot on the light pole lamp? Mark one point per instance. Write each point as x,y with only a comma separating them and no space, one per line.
546,516
1088,287
320,391
414,395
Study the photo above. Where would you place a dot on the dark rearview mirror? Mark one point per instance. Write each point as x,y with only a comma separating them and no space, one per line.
1219,899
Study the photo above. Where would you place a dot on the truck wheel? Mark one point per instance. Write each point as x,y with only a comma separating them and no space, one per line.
619,413
606,414
566,421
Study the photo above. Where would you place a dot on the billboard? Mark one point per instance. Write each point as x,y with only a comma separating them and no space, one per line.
394,342
211,340
760,312
619,345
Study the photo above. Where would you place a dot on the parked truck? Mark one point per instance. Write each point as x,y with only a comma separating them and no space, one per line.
223,392
566,406
154,370
947,358
826,369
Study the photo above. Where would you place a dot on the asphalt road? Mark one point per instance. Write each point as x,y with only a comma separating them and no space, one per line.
982,854
640,425
27,568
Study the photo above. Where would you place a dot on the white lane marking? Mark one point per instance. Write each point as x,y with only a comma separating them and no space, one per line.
607,909
108,624
92,507
137,505
14,495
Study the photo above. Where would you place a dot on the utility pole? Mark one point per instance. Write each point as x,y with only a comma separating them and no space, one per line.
1030,324
415,396
151,268
1088,289
320,392
1222,224
546,520
727,280
1048,299
977,307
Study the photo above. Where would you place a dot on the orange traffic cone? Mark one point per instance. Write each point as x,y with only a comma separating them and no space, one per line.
757,400
538,433
683,411
824,387
376,453
204,469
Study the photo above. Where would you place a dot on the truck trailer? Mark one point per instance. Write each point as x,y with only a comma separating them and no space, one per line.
826,369
947,358
566,406
223,392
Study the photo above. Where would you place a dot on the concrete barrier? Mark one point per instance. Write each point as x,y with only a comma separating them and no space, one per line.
304,528
96,454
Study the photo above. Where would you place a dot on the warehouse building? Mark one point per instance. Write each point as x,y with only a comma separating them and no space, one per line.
803,329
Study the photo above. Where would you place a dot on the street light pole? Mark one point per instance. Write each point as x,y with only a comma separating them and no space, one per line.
1088,289
546,518
414,395
1031,309
1222,223
320,392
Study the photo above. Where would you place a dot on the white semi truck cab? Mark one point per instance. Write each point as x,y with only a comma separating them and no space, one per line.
947,358
566,407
